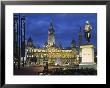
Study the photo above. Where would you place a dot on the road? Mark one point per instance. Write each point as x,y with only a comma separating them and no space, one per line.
31,70
34,70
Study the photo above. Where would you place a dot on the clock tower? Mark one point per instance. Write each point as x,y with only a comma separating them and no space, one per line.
51,35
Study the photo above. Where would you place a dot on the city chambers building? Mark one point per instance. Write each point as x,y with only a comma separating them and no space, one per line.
51,53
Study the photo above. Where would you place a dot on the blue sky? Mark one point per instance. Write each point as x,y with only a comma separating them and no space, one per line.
66,26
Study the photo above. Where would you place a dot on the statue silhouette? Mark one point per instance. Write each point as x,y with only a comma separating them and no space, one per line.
87,31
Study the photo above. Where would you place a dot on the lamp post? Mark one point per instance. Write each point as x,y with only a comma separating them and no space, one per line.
46,65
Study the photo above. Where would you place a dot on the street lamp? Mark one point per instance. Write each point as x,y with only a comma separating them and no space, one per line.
46,65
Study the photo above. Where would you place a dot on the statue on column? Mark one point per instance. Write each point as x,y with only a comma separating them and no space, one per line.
87,30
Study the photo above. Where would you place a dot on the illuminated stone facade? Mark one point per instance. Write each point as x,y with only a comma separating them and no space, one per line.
50,53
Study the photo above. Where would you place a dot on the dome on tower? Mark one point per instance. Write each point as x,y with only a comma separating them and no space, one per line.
30,42
30,39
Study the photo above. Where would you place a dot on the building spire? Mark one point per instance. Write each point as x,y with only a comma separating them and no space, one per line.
51,24
51,19
30,41
51,36
73,43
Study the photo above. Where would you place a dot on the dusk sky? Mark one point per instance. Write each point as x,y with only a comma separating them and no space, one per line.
66,26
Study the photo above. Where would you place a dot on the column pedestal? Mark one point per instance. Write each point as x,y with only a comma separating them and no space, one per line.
87,56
